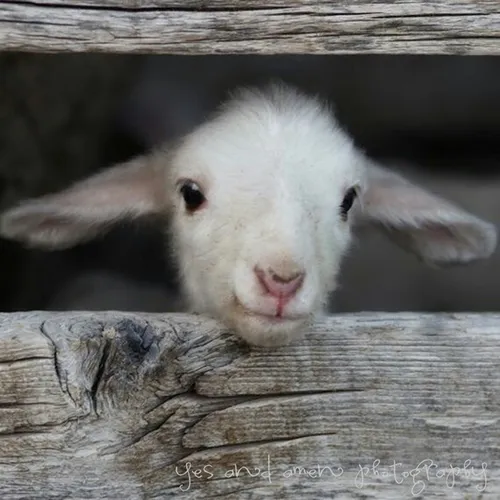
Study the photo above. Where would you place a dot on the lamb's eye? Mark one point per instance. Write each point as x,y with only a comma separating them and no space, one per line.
347,202
192,194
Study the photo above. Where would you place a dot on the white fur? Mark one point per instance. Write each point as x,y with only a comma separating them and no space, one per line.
274,166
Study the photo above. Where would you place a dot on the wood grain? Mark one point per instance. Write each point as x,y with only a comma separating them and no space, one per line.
118,405
251,26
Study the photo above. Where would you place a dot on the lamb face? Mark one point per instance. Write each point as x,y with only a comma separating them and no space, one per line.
260,202
274,175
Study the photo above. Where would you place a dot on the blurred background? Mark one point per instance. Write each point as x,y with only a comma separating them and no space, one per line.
62,117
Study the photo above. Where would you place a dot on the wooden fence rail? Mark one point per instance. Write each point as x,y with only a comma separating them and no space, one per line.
251,26
118,405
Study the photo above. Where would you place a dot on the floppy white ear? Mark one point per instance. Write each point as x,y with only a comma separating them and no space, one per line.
87,208
429,226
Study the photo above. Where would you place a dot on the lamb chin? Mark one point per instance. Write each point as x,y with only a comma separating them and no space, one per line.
269,332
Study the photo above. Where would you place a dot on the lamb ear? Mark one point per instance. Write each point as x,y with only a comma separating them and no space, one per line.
434,229
87,208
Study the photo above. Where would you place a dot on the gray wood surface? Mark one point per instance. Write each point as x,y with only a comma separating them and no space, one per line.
251,26
119,406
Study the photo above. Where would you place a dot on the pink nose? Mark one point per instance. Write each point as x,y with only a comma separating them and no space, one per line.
279,286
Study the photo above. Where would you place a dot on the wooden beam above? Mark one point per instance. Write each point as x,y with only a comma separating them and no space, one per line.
250,26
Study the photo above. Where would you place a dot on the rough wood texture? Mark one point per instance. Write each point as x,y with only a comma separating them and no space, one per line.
252,26
116,405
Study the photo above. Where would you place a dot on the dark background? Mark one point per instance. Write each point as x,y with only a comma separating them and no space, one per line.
65,116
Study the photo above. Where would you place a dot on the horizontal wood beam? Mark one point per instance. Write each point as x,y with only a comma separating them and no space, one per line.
251,26
118,405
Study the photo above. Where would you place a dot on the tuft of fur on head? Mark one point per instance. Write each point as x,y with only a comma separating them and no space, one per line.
259,200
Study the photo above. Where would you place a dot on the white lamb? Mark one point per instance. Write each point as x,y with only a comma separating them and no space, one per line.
261,200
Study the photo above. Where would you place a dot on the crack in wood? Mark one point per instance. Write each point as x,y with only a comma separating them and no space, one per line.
99,374
63,381
240,447
21,360
120,8
21,404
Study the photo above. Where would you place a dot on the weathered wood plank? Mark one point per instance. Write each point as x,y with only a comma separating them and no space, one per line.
119,405
251,26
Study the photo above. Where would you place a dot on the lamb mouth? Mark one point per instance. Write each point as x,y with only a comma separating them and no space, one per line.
272,318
